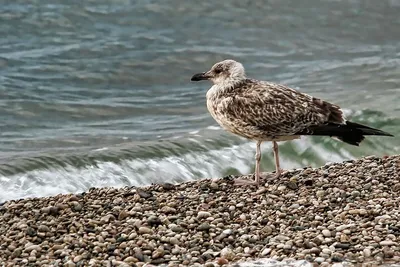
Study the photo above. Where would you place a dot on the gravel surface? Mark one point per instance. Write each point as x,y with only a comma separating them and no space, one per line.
341,212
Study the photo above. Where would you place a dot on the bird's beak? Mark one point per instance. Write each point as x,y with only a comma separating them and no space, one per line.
200,76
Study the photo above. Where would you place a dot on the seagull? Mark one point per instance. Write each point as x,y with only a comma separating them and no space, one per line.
267,111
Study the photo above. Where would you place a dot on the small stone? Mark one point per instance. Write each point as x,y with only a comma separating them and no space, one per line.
222,261
30,231
143,194
326,251
33,247
266,230
367,253
344,238
396,187
336,258
176,228
262,190
227,232
73,198
354,211
315,251
214,186
227,253
203,214
174,241
69,264
75,206
292,185
123,215
320,193
54,211
130,259
388,253
107,218
168,186
43,228
342,245
265,252
363,212
154,220
158,253
168,210
326,233
355,193
287,247
387,243
17,252
342,227
204,227
319,260
77,258
281,188
57,247
145,230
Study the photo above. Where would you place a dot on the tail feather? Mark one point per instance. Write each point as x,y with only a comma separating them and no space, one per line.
351,132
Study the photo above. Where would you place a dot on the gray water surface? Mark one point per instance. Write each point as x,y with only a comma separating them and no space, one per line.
98,93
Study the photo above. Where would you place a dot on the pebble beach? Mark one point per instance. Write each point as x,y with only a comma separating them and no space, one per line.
342,214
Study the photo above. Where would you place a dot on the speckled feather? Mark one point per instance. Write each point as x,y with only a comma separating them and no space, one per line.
267,111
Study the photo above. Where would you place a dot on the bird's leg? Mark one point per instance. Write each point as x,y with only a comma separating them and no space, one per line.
278,169
257,169
258,159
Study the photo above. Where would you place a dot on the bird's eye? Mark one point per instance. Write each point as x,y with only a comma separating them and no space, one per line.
218,70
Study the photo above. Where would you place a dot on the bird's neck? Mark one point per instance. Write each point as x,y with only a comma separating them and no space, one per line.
225,86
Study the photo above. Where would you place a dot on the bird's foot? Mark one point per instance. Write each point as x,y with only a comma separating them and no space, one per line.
273,175
244,182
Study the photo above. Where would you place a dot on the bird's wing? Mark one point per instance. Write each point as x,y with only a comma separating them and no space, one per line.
276,109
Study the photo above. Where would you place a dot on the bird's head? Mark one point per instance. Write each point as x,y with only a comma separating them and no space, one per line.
224,73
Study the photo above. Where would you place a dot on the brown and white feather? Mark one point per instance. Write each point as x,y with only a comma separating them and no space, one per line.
267,111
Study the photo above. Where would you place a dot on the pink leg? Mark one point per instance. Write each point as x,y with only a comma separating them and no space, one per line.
257,169
278,169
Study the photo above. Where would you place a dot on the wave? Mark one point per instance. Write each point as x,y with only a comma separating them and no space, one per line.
209,153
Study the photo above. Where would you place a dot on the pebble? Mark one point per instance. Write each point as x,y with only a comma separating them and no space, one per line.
70,264
130,259
144,230
168,210
203,214
204,227
154,220
387,243
326,233
227,253
43,228
75,206
227,231
265,252
77,258
174,241
330,216
176,228
214,186
33,247
123,215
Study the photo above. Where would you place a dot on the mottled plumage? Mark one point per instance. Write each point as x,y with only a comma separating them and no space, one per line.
265,111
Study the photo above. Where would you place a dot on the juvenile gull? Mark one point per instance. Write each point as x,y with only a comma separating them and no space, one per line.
266,111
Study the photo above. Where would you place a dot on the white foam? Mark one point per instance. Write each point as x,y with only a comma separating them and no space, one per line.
135,172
